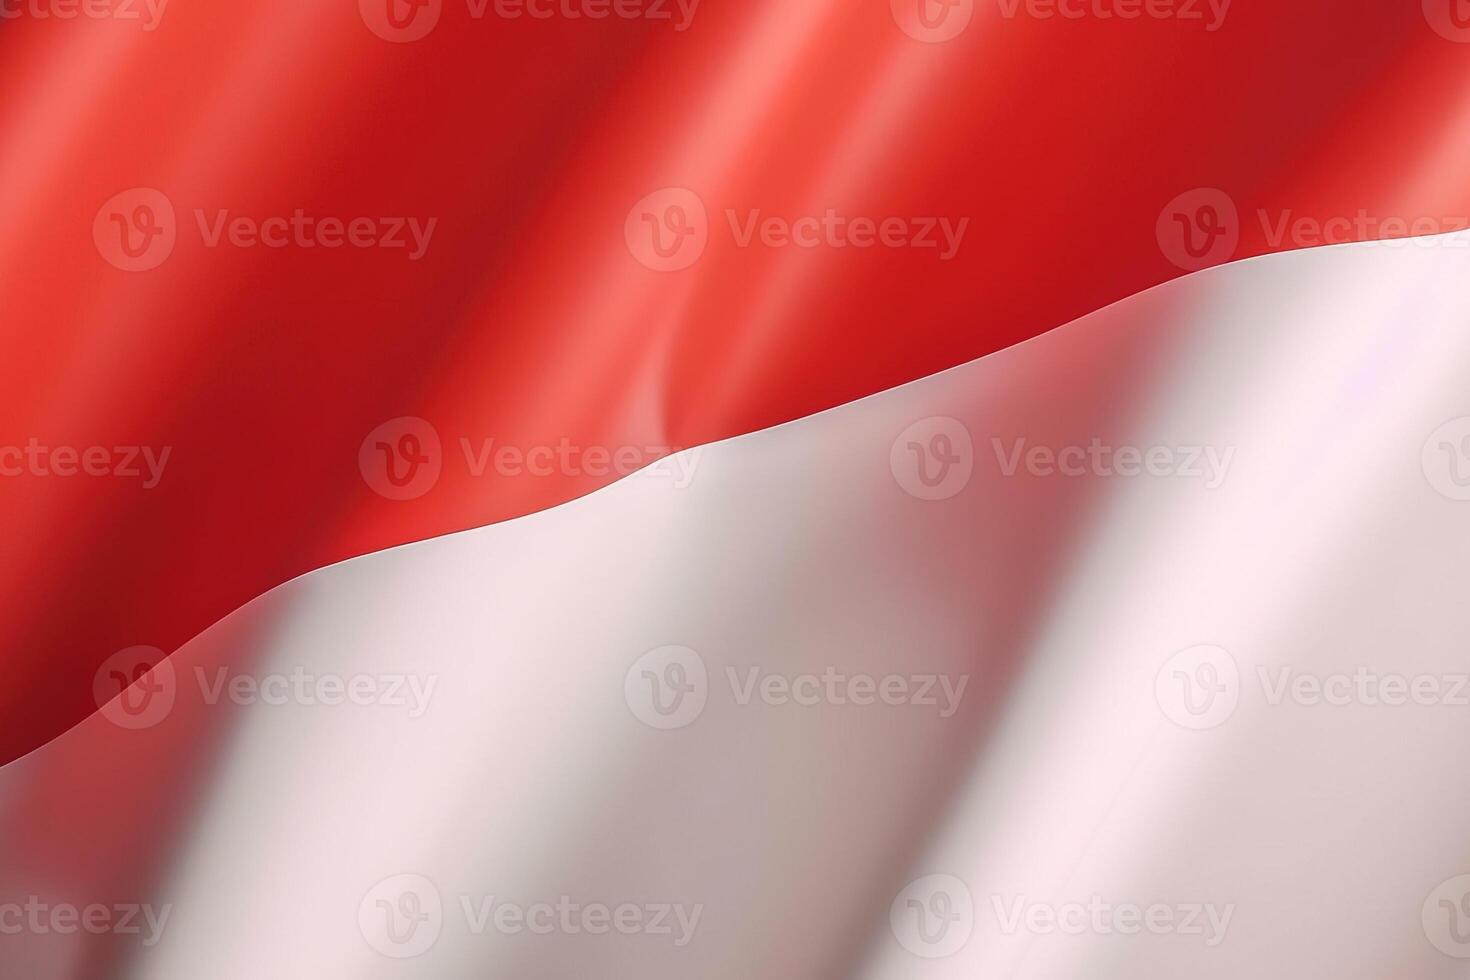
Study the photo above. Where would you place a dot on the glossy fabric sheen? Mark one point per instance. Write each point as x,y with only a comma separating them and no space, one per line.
1280,492
526,317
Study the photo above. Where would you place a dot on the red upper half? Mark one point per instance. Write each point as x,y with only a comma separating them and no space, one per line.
585,241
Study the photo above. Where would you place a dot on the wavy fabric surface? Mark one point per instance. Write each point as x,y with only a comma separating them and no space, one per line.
244,238
1133,651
